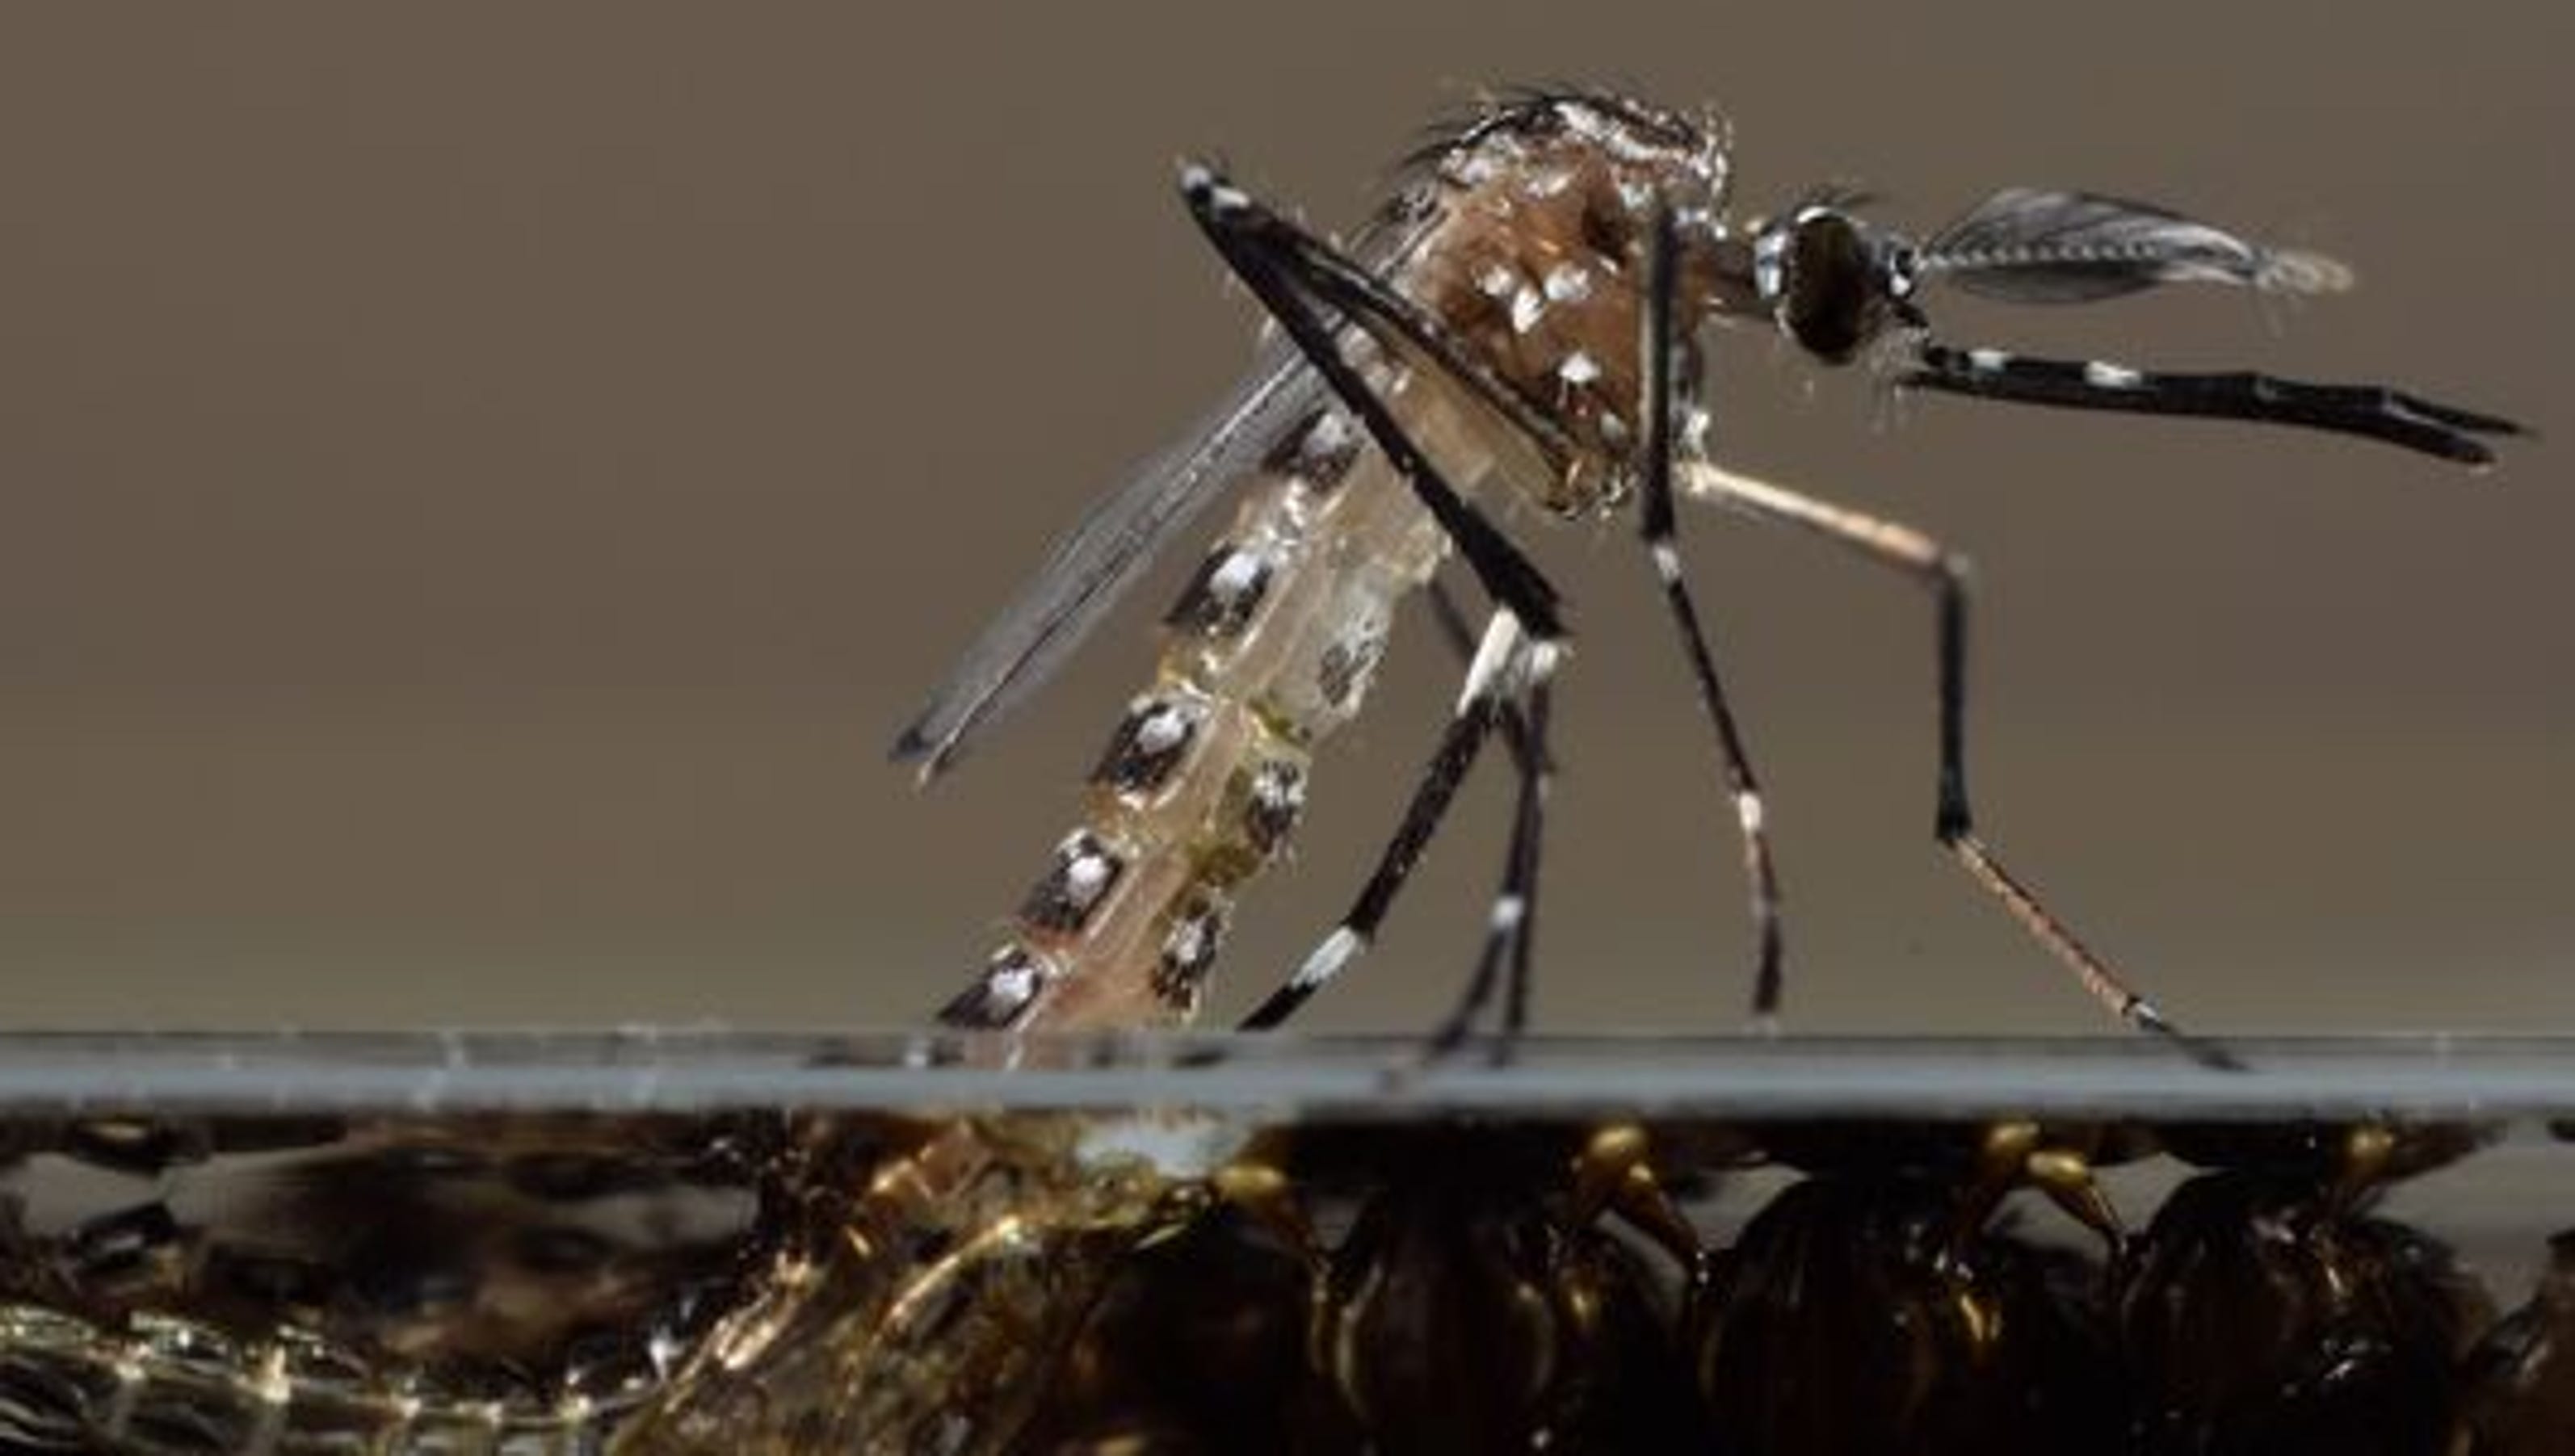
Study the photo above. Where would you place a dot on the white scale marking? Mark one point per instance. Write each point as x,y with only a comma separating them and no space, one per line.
1330,435
1493,656
1279,790
1085,874
1328,959
1235,576
1769,264
1015,985
1163,730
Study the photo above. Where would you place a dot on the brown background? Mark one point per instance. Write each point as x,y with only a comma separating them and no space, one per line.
479,485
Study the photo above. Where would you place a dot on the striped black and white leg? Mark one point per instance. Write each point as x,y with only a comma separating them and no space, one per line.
1529,825
1512,928
1663,443
1522,727
1304,283
2373,412
1459,636
1506,660
1944,573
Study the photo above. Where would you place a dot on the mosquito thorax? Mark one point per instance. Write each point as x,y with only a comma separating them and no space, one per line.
1535,255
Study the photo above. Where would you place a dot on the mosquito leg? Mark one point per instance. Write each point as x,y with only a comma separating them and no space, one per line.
1302,282
1512,928
1537,775
2373,412
1945,574
1510,723
1660,386
1523,731
1504,658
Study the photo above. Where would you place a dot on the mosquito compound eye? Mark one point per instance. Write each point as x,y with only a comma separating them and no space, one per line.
1828,297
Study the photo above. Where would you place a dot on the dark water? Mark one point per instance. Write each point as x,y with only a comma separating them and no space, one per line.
669,1243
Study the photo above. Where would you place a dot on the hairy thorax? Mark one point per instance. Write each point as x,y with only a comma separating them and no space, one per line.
1535,259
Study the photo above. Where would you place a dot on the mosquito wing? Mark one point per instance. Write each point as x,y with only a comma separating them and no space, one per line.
2029,246
1094,563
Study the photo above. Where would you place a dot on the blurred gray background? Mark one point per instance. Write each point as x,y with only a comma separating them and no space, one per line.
481,484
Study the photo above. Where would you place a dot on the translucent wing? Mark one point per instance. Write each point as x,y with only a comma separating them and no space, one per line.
1094,563
2028,246
1327,300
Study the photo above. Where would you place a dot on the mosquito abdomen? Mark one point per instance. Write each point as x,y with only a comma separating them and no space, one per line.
1271,648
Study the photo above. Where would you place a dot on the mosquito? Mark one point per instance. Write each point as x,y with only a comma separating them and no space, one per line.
1525,318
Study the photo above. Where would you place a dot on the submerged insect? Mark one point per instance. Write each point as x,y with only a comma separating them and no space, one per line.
1480,1259
1523,317
518,1283
249,1284
2521,1379
1470,1257
1887,1301
1031,1281
2268,1307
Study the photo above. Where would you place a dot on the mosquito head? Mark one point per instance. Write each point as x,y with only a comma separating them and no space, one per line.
1833,282
1842,287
